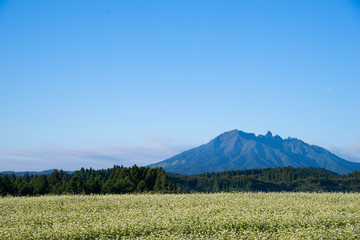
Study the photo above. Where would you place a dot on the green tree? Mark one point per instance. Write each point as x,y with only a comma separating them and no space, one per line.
40,184
6,186
55,182
93,185
141,186
76,184
23,188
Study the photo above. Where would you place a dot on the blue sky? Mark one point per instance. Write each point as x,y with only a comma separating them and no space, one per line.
98,83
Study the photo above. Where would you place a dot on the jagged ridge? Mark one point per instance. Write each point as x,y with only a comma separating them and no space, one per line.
236,150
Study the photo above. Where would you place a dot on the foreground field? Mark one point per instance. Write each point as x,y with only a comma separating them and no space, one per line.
193,216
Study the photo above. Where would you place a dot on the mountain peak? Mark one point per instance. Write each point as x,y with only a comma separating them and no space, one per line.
269,134
233,132
236,150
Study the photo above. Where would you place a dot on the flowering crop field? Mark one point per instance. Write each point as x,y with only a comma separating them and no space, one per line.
182,216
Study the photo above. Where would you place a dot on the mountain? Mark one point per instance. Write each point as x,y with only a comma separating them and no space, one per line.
236,150
20,174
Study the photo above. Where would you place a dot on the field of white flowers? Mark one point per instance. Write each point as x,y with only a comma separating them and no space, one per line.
191,216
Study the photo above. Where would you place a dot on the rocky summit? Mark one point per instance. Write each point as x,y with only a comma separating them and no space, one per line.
236,150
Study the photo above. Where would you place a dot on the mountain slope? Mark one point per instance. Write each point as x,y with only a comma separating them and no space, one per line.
20,174
235,150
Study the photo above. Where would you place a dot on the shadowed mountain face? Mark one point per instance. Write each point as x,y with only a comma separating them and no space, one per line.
237,150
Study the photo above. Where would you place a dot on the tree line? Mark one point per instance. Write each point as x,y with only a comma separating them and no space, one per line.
114,180
269,180
136,179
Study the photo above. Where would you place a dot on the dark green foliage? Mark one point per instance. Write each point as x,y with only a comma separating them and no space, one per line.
141,186
40,184
6,185
137,180
88,181
268,180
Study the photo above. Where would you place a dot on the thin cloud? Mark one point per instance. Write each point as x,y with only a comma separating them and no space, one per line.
350,153
355,148
36,159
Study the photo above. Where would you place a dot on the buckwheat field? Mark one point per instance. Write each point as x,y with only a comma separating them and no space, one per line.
183,216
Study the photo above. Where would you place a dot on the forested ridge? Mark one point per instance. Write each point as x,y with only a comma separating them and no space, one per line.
269,180
120,180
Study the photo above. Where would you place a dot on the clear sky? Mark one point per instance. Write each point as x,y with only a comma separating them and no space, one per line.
98,83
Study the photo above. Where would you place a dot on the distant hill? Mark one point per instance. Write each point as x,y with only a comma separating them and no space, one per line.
236,150
20,174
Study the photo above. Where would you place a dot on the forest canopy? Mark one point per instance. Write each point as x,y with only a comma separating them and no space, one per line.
122,180
114,180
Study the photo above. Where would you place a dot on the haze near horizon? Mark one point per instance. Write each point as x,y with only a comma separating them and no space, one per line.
93,84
